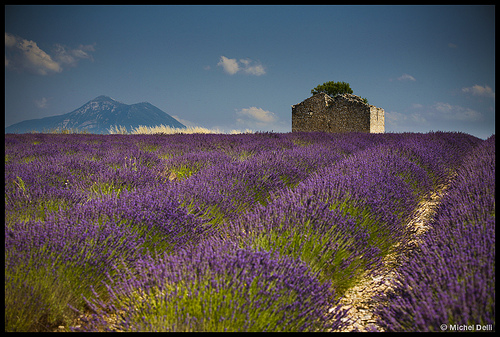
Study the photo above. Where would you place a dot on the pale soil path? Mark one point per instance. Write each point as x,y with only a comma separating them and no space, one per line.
360,297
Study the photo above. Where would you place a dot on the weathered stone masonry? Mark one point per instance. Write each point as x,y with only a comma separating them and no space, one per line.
343,113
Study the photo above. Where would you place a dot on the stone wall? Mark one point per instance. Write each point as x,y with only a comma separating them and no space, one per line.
343,113
377,120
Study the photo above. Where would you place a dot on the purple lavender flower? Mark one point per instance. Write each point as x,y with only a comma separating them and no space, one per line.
216,288
450,279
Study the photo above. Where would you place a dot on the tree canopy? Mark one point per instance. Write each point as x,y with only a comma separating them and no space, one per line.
332,88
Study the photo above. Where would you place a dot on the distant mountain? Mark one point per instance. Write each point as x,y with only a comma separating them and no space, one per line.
98,116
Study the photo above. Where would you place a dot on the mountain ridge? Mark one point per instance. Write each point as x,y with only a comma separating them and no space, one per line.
98,116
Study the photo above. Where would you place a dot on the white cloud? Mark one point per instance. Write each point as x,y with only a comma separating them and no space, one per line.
452,45
406,77
41,103
258,114
22,54
255,70
255,118
25,54
230,66
247,66
443,107
478,90
455,112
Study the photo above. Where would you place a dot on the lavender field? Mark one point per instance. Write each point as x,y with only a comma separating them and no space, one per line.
245,232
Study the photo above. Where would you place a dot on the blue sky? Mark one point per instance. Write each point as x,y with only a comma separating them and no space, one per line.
242,67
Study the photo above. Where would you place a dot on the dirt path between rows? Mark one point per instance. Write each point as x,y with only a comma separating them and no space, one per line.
360,297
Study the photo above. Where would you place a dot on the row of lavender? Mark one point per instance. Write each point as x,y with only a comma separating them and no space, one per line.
207,232
92,202
449,283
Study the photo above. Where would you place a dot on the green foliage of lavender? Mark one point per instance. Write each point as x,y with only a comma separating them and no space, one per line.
217,287
196,232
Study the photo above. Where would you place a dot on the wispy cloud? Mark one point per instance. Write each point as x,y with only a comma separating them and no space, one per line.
455,112
258,114
247,66
420,117
478,90
185,121
42,103
70,57
26,55
10,40
396,119
253,69
254,117
452,45
22,54
406,77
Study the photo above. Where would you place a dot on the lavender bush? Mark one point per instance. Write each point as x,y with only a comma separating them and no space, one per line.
275,226
217,288
332,246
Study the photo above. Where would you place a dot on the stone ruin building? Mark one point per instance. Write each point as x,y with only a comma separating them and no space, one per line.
342,113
